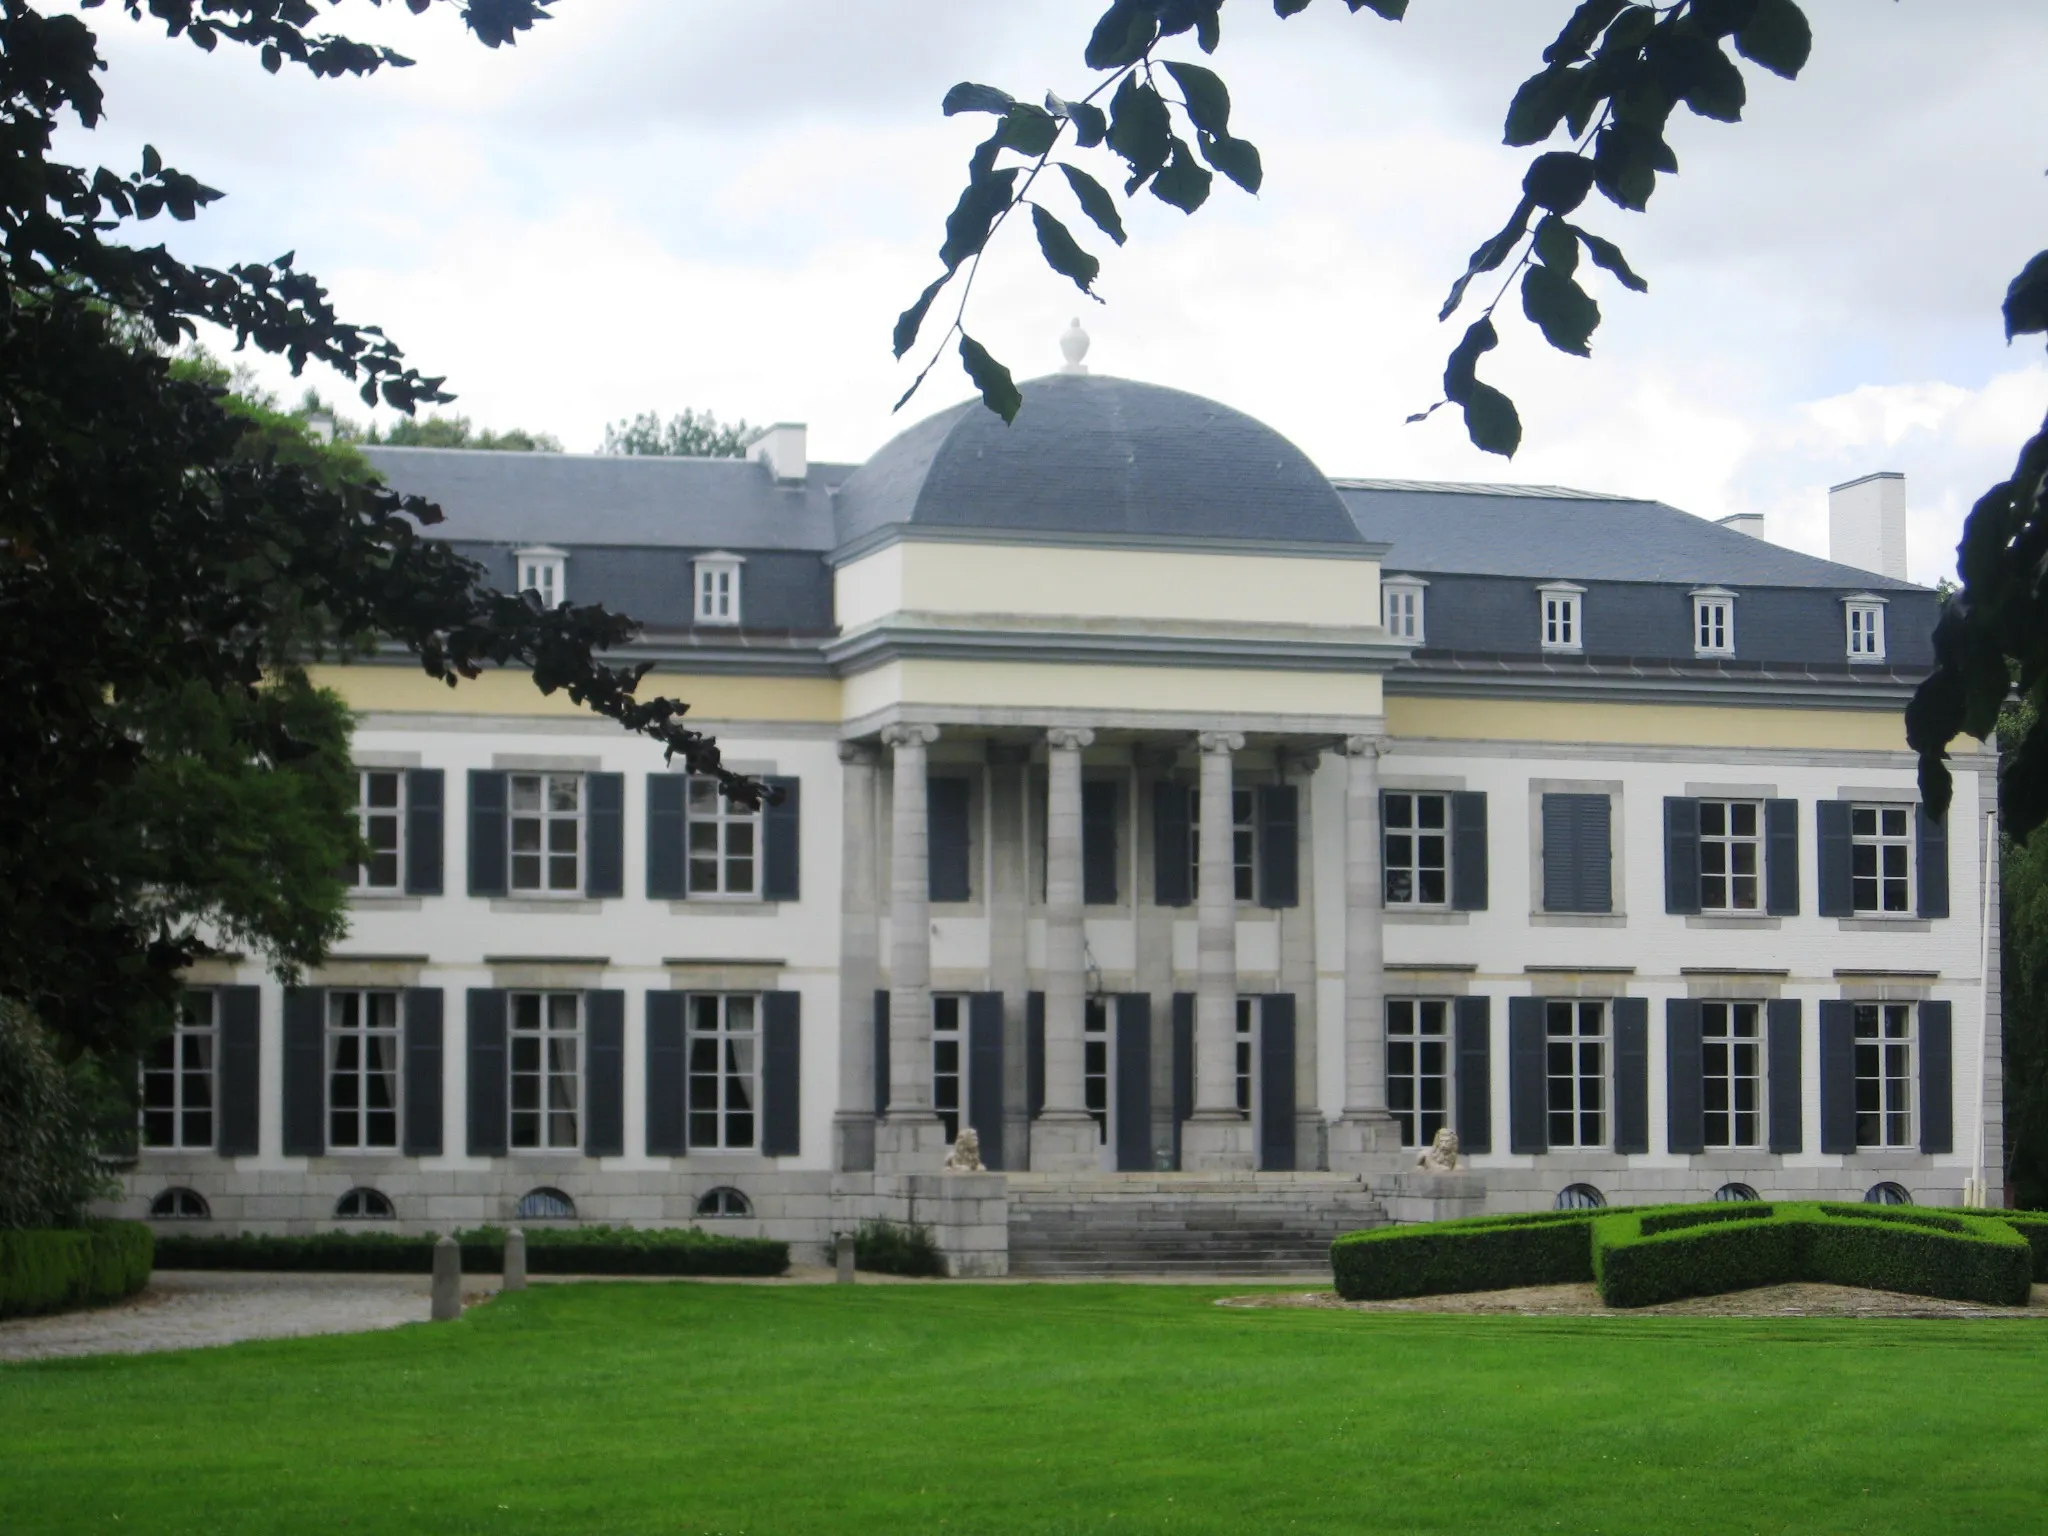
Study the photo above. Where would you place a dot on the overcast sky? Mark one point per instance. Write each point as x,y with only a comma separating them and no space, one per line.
654,204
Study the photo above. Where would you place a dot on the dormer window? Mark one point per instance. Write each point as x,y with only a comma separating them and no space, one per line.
542,569
1561,629
1865,619
1713,621
1401,607
718,588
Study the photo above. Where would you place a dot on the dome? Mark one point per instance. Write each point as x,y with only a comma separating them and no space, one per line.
1099,458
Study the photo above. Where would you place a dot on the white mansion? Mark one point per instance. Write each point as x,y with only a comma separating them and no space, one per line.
1181,819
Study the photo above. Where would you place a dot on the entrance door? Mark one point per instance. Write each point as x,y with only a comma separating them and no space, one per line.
1133,1083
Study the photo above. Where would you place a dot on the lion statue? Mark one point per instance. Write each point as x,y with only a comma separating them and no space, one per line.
1442,1153
966,1154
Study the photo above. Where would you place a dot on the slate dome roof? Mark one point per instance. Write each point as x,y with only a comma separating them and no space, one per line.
1102,457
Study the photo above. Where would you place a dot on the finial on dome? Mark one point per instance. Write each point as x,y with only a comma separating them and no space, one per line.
1074,347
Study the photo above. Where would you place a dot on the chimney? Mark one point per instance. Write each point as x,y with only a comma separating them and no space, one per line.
320,424
1751,523
781,448
1867,524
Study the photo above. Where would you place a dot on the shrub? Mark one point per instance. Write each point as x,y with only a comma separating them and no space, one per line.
2031,1225
48,1269
892,1248
1473,1253
50,1168
597,1250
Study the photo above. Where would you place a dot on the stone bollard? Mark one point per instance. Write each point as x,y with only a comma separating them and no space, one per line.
844,1253
515,1261
447,1281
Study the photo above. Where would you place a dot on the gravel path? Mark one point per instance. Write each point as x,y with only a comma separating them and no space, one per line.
1584,1301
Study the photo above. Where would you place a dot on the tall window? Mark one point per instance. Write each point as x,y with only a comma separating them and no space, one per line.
1866,630
1244,1062
1561,620
718,591
177,1079
1243,840
1713,623
1401,609
1884,1075
547,831
949,1051
547,1062
1731,1056
380,813
1418,1067
541,573
724,1063
1095,1064
1576,1065
362,1069
724,839
1731,855
1417,859
1881,857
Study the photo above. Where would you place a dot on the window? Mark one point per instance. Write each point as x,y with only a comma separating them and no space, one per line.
547,831
1575,1062
541,572
1417,835
177,1079
380,813
1418,1067
724,1201
1865,617
1734,1193
1884,1075
547,1062
1243,840
724,839
1561,630
1579,1197
1731,1055
364,1204
1887,1193
1731,855
949,1051
362,1070
1880,857
180,1204
1095,1064
723,1092
1401,607
1243,1065
1713,622
545,1204
718,589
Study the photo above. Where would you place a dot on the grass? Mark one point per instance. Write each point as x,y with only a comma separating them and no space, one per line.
709,1408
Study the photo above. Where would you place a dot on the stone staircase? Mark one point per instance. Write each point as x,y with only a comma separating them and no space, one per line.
1252,1224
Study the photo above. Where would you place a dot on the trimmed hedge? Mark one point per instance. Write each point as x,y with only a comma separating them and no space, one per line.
2031,1225
596,1250
1472,1253
46,1269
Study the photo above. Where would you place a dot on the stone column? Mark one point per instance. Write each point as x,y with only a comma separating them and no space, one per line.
1366,1135
1298,968
1063,1137
911,1138
1218,1136
1153,764
860,960
1008,865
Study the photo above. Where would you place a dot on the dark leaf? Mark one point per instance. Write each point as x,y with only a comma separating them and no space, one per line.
1095,201
1090,121
969,97
1606,254
1286,8
1491,421
1777,37
1489,256
1140,129
1121,36
1386,10
968,225
1587,23
273,61
999,391
2026,299
1558,181
1563,310
1209,30
152,162
1183,183
1625,164
912,319
1460,369
1236,158
1208,101
1539,106
1062,253
1557,244
1690,65
1029,130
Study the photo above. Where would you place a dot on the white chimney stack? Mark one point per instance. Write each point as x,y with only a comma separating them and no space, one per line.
1867,524
1751,523
781,448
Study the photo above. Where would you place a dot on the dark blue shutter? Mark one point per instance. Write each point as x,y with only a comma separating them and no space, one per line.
665,1075
423,1035
781,1074
1098,841
604,1034
1528,1131
1473,1076
1279,810
1931,857
1034,1053
1468,857
881,1052
1173,865
781,840
1133,1082
239,1076
1837,892
946,821
1837,1076
667,832
1684,1071
1183,1065
488,833
305,1071
1783,1052
985,1074
1276,1082
1578,854
1781,858
1681,854
424,793
1631,1074
605,817
488,1130
1937,1074
1596,853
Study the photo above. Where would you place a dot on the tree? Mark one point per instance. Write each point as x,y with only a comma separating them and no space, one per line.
455,432
692,435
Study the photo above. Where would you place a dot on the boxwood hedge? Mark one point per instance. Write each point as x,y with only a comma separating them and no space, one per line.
46,1269
594,1250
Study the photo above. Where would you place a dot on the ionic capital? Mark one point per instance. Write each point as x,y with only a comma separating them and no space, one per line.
898,736
1366,746
1221,741
1069,738
858,754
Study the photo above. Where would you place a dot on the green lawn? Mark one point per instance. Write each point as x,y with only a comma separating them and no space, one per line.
702,1408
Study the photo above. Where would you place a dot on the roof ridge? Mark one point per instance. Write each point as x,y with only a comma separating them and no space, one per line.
1479,488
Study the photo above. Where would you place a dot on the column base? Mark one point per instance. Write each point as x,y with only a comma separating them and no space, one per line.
1065,1141
1311,1140
853,1142
1219,1142
911,1144
1368,1141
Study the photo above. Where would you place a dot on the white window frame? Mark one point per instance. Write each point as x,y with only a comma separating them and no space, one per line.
722,847
1885,1076
190,1068
1413,865
1095,1064
1561,617
1886,870
547,1021
1418,1051
1732,1073
549,826
1245,1057
1732,850
1402,608
544,570
363,1018
1244,840
949,1061
1863,627
1713,621
388,821
715,581
722,1059
1578,1097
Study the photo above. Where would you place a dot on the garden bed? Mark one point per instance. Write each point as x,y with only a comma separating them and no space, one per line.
595,1250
